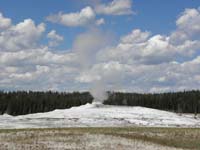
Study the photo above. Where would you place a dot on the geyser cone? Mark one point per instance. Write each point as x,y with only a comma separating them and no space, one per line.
96,103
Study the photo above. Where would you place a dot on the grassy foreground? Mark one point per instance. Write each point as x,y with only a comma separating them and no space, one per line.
183,138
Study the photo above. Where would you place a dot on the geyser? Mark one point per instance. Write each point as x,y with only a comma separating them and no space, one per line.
98,91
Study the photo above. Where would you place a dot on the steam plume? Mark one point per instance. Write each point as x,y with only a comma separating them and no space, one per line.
87,46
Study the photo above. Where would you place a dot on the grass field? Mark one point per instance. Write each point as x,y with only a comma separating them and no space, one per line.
101,138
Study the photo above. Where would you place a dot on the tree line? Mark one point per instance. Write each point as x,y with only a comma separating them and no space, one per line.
23,102
181,102
26,102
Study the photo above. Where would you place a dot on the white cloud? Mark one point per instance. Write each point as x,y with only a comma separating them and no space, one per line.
116,7
108,72
53,35
82,18
154,63
21,36
189,21
188,26
55,38
140,47
37,69
140,61
25,64
136,36
4,22
40,70
100,21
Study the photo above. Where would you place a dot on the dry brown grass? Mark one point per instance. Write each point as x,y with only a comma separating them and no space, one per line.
112,138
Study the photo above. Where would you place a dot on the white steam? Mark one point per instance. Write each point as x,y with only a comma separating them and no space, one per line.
98,91
87,46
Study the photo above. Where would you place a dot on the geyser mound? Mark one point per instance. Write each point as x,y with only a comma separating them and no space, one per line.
97,104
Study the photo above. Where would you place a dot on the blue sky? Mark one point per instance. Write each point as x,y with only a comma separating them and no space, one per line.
75,40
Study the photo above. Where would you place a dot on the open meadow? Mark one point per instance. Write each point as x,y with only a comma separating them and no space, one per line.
135,138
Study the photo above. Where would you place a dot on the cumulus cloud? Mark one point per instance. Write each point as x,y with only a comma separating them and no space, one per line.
82,18
100,21
189,21
42,56
87,16
25,64
116,7
110,72
55,38
141,61
151,62
136,36
4,22
21,36
139,47
142,47
30,75
188,26
36,69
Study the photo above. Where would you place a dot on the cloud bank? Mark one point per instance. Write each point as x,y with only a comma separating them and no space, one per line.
141,61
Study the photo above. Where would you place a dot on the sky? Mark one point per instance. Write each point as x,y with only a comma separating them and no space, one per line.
121,45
